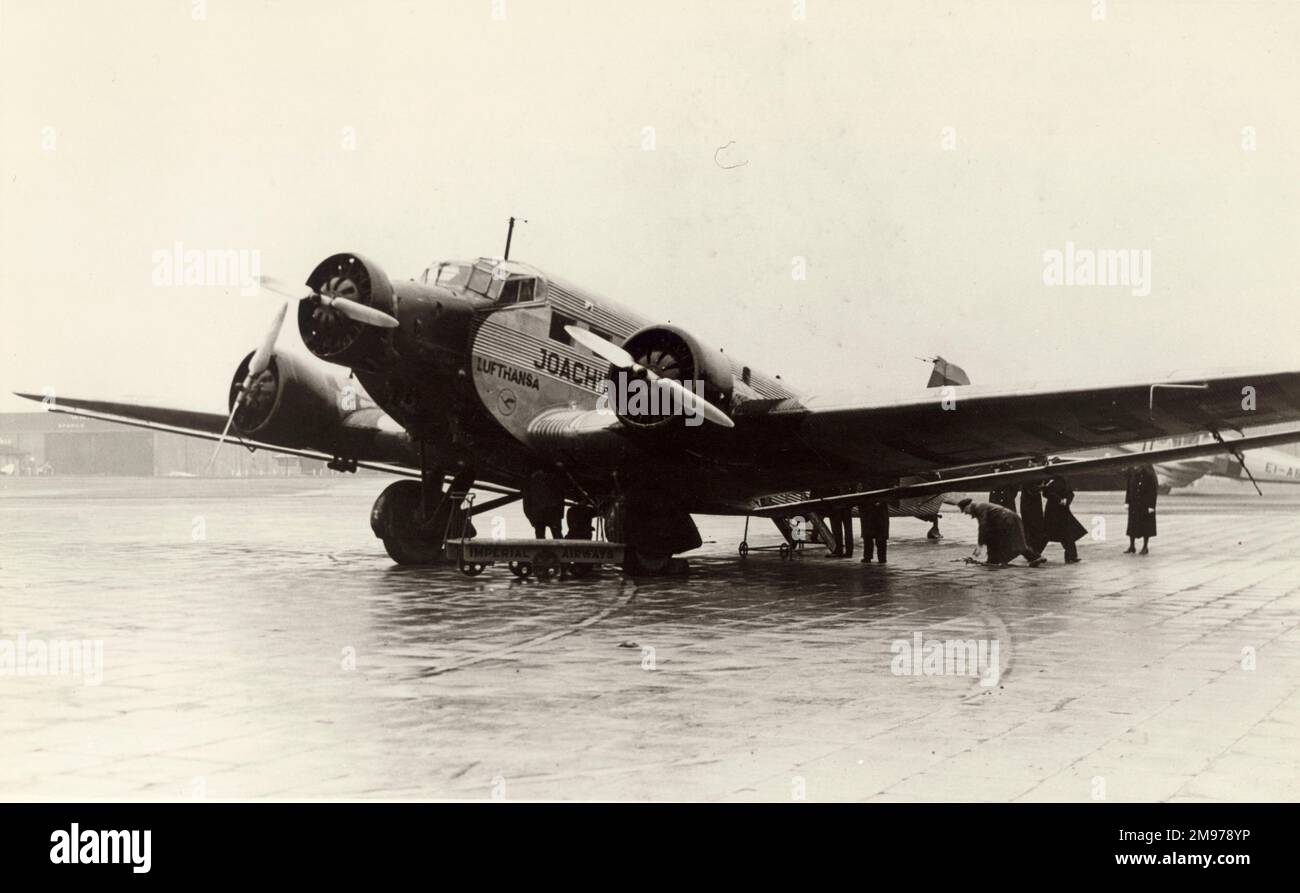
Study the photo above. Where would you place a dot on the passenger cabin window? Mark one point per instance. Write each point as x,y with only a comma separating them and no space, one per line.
558,322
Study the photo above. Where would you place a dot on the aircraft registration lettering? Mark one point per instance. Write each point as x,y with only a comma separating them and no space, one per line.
509,373
579,373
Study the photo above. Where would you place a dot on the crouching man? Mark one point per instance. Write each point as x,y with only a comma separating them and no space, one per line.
1001,535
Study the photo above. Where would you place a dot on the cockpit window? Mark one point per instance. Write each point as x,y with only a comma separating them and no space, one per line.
519,291
494,280
479,280
452,275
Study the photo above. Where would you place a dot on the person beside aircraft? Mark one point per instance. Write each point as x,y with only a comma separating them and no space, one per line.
1140,497
1059,523
874,517
544,503
842,523
1031,514
1004,496
834,518
1001,534
579,520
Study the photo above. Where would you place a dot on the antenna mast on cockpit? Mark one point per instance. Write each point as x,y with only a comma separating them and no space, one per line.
510,231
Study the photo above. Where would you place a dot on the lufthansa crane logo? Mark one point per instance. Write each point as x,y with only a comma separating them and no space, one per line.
507,401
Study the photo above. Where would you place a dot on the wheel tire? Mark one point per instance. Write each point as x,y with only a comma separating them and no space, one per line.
546,567
579,571
471,568
635,562
744,549
521,569
395,519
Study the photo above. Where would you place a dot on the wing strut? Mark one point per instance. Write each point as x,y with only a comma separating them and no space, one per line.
1236,454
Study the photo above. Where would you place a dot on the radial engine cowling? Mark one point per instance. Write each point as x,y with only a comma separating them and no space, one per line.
290,404
328,333
672,353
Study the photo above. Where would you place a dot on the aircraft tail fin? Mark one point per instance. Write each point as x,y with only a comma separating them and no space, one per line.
945,374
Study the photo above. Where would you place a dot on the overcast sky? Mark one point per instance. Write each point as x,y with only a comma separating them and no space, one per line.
129,127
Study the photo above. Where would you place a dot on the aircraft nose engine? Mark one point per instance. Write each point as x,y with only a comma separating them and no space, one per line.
351,306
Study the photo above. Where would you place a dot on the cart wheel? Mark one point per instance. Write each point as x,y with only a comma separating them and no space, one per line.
784,551
471,568
579,571
744,549
546,567
521,569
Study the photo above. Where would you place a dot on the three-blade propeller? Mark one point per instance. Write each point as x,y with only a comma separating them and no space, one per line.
257,364
353,310
621,359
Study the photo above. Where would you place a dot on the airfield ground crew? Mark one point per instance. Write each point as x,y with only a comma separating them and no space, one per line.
1004,496
1001,535
1059,523
1141,499
874,517
841,518
579,520
1031,514
544,503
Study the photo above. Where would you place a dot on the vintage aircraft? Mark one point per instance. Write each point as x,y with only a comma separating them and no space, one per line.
485,372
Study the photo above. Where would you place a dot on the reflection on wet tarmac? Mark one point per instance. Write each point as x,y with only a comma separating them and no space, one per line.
258,643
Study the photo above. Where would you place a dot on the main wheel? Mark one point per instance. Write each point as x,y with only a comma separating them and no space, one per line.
638,562
471,568
521,569
395,519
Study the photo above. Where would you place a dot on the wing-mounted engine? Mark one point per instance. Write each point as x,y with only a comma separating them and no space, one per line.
667,352
291,403
327,329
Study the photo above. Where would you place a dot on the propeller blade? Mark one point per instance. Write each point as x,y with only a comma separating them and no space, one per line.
271,284
234,408
602,348
262,356
346,306
695,402
361,313
259,363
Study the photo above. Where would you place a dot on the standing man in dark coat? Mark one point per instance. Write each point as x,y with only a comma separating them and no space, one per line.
874,516
1059,523
1004,496
581,519
1031,514
834,519
544,503
842,524
1141,499
1001,535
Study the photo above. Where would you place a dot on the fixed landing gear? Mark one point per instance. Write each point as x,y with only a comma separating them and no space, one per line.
397,519
412,517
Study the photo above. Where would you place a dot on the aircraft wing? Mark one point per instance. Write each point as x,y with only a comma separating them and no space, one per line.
1036,470
205,426
972,426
